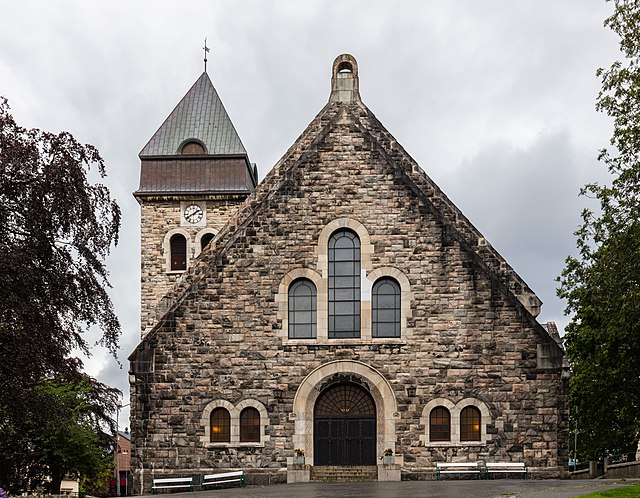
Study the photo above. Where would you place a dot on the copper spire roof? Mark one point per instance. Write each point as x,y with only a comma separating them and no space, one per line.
200,115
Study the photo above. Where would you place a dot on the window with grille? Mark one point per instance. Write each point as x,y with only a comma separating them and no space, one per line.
178,245
440,424
470,424
220,426
302,309
250,425
344,285
386,308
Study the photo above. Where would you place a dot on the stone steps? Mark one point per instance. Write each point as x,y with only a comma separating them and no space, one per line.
344,474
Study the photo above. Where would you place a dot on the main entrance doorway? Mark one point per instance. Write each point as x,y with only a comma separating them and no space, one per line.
345,426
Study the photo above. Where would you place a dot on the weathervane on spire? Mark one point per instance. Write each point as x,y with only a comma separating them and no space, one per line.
206,49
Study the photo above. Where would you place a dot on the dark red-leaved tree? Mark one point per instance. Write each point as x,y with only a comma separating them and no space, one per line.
56,228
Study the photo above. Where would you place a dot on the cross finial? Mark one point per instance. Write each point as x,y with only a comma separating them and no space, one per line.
206,50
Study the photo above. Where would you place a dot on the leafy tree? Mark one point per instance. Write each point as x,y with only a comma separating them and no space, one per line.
70,429
602,285
56,228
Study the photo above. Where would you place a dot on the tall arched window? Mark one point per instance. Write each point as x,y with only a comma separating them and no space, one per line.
344,285
178,252
470,420
386,308
250,425
302,309
439,424
220,426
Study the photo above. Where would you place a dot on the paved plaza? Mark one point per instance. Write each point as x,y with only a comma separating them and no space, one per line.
505,488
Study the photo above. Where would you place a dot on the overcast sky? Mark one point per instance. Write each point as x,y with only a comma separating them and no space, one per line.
494,99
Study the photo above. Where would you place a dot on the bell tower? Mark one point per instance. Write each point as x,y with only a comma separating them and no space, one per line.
194,174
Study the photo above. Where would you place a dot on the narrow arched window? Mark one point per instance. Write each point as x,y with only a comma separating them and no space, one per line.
344,285
250,425
302,309
206,238
178,252
220,426
386,308
470,424
439,424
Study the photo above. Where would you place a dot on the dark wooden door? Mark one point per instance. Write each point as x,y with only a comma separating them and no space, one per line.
345,442
345,426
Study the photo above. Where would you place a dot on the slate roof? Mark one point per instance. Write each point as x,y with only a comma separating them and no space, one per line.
199,115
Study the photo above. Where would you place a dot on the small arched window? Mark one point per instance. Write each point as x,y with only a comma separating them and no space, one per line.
386,308
250,425
470,421
344,285
439,424
206,238
220,426
302,309
192,149
178,252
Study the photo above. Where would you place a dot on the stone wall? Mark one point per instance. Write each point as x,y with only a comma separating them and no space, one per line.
160,218
467,336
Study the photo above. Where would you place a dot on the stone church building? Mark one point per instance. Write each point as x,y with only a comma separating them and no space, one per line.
343,307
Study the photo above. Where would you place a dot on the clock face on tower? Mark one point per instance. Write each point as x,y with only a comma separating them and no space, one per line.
193,213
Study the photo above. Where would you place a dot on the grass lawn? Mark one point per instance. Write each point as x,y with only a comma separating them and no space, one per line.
623,492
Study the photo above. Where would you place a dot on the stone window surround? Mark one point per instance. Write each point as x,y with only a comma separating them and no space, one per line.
454,410
379,388
192,248
234,412
166,248
197,244
321,278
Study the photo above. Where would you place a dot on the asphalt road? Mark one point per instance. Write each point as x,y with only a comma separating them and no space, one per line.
503,488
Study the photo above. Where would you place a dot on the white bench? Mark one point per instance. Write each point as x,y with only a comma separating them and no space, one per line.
225,477
506,468
171,482
458,468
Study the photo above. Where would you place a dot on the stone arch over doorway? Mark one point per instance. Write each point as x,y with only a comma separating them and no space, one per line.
344,371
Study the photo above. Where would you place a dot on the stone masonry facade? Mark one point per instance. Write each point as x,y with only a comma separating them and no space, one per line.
220,338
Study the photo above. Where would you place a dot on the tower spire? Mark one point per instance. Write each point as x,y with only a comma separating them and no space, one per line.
206,50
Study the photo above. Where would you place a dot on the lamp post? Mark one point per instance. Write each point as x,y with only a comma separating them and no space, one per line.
119,406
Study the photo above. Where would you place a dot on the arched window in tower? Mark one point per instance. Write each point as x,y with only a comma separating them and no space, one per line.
250,425
192,149
302,309
385,308
220,426
439,424
178,246
344,285
470,420
206,238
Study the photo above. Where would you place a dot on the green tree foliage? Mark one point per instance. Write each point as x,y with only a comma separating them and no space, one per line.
602,285
56,228
70,430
